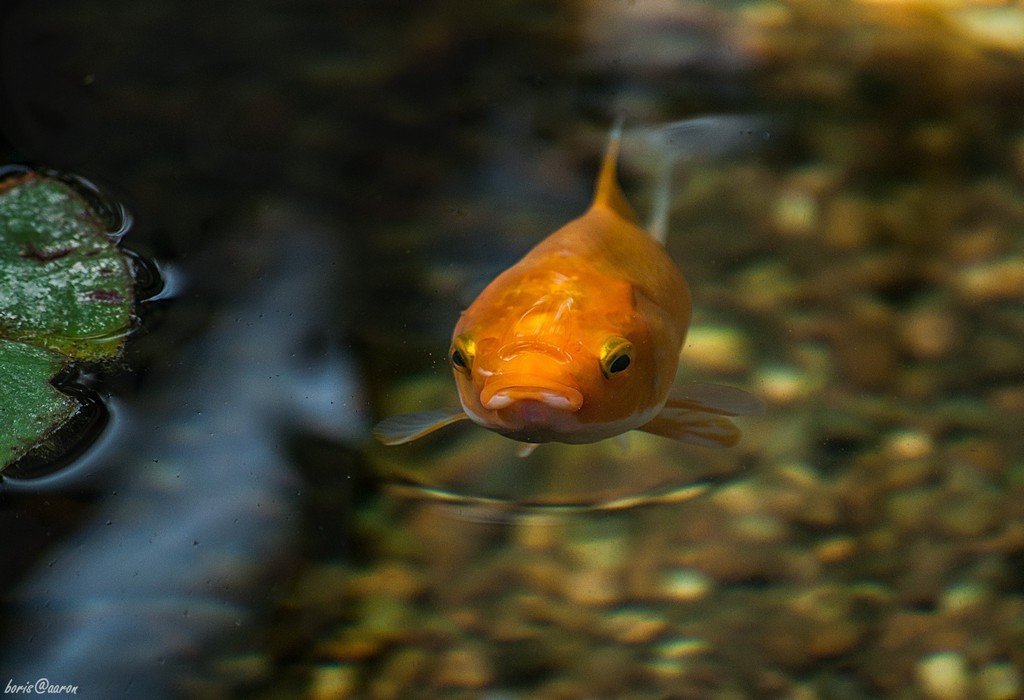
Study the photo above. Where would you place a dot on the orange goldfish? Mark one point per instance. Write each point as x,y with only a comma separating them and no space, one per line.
579,341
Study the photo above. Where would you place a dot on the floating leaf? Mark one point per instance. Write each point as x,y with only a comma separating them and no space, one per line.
66,295
32,407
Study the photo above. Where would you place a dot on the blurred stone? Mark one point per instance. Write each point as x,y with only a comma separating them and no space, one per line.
607,671
685,585
351,646
740,498
826,613
464,668
962,597
835,549
914,510
997,27
981,244
970,515
976,460
796,213
868,357
543,574
909,444
848,223
765,286
334,682
1000,681
539,531
1002,280
593,587
944,676
783,386
400,674
716,349
761,528
682,648
598,544
634,625
930,333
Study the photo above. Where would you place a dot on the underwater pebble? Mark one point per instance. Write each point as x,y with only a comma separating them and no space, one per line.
962,597
511,625
835,549
399,674
826,613
538,531
593,587
351,646
798,494
667,670
634,626
971,515
913,510
543,574
976,460
740,498
606,671
993,281
980,244
760,528
929,333
333,682
685,585
464,668
599,545
765,286
783,386
1000,681
909,444
716,349
558,614
999,27
682,648
944,676
848,223
867,356
795,213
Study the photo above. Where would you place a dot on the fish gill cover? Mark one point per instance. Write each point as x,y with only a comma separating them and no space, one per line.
66,297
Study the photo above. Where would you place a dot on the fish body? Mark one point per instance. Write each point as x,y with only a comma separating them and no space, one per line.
579,341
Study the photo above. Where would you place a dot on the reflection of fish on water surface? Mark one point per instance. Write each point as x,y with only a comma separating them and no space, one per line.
579,341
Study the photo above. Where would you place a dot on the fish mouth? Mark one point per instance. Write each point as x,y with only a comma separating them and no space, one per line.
502,392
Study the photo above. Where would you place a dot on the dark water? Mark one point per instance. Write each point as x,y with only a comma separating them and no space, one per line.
327,184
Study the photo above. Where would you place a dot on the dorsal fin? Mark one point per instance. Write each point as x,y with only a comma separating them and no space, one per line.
609,195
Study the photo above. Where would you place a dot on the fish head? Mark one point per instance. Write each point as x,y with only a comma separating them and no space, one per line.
567,382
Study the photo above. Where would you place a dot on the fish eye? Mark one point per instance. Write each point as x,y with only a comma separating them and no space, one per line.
616,356
461,355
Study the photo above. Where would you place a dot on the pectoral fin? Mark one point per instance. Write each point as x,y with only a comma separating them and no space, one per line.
695,413
406,427
714,398
695,427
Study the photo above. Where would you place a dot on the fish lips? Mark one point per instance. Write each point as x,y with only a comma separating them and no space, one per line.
503,391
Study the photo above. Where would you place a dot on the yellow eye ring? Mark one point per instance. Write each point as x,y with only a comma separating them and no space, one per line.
462,353
616,356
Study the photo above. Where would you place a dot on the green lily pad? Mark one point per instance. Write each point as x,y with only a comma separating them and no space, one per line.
66,295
